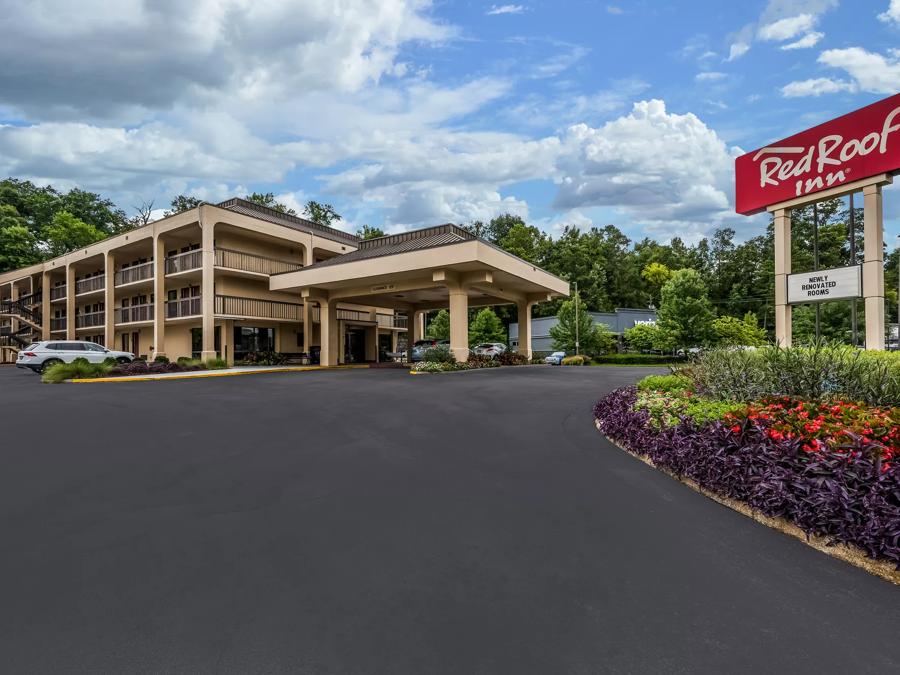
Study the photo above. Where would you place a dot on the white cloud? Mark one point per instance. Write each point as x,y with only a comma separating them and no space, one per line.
710,76
505,9
807,41
614,9
816,87
870,71
787,28
892,14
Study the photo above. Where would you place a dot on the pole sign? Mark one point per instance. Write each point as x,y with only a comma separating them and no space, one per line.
858,145
839,283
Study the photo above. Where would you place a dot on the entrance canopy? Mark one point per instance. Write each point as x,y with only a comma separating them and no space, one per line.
422,270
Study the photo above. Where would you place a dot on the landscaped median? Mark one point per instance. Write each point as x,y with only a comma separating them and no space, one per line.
441,360
806,440
82,369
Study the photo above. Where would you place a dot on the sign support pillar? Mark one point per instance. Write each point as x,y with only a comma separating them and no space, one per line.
783,314
873,266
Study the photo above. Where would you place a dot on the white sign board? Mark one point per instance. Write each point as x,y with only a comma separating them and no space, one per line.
839,283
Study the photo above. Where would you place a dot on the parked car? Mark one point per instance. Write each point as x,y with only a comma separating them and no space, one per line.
490,349
421,346
41,355
555,359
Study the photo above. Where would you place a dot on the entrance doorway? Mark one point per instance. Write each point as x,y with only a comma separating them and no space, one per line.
384,346
355,345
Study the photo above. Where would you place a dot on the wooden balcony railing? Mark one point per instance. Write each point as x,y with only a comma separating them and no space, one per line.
391,321
251,262
90,320
353,315
184,262
58,324
58,292
90,285
230,305
134,313
130,275
177,309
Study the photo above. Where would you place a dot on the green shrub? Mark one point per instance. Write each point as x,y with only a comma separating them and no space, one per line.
439,367
579,360
110,361
666,383
439,354
81,361
161,359
80,368
633,359
216,364
667,409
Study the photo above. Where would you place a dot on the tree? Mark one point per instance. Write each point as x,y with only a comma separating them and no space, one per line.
685,309
267,199
18,245
143,214
641,337
728,330
439,326
323,214
485,327
525,241
368,232
656,275
67,233
592,338
181,203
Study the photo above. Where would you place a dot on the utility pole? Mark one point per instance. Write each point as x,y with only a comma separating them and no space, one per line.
576,319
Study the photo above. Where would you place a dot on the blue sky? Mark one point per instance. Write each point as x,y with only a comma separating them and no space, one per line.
404,113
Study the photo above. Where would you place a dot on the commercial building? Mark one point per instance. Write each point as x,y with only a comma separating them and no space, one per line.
236,277
616,322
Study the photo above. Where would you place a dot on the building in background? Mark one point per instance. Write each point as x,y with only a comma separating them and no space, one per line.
616,322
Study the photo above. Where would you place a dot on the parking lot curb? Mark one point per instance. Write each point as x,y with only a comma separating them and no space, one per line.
212,373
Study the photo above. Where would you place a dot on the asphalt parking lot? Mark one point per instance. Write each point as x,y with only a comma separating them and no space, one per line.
374,522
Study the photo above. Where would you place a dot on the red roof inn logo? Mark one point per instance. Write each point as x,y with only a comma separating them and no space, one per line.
858,145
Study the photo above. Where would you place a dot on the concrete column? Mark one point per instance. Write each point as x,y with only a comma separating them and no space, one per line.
109,301
159,297
45,306
328,325
208,288
873,266
459,324
524,318
70,302
418,324
14,295
307,325
227,338
783,317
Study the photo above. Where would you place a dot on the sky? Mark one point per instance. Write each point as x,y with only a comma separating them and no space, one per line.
408,113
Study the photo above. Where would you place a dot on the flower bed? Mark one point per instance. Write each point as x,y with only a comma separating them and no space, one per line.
440,360
82,369
826,466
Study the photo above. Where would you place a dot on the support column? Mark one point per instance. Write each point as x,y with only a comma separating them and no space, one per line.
307,325
328,326
109,301
159,297
873,266
70,302
208,289
783,315
459,324
524,317
418,325
45,306
227,339
14,295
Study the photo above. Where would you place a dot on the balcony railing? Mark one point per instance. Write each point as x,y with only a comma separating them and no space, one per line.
353,315
184,262
129,275
391,321
90,285
230,305
176,309
90,320
58,292
134,313
250,262
58,324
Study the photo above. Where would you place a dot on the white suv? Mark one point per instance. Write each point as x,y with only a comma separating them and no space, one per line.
42,355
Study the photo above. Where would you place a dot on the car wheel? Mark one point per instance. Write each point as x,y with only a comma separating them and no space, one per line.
123,359
49,363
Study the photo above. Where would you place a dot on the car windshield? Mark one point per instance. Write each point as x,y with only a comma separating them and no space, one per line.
486,345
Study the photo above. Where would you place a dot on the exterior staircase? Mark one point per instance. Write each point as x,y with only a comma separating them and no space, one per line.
28,329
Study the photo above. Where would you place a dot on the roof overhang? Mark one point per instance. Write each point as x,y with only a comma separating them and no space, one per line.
423,278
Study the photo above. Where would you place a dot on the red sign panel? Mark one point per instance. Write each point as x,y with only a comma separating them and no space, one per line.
858,145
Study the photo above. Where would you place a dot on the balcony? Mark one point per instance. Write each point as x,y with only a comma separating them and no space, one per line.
184,262
230,305
90,285
57,325
391,321
180,309
134,314
131,275
353,315
250,262
58,293
90,320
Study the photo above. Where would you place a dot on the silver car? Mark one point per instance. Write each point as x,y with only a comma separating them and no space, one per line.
41,355
490,349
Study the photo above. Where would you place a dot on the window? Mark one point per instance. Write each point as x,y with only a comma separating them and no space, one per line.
72,346
91,347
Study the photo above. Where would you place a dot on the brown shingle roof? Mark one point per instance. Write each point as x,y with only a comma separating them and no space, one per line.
255,210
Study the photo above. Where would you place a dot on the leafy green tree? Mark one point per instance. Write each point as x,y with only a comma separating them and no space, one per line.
592,338
67,233
182,203
656,275
664,340
268,199
18,245
485,327
439,326
323,214
368,232
525,241
729,330
685,309
641,337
